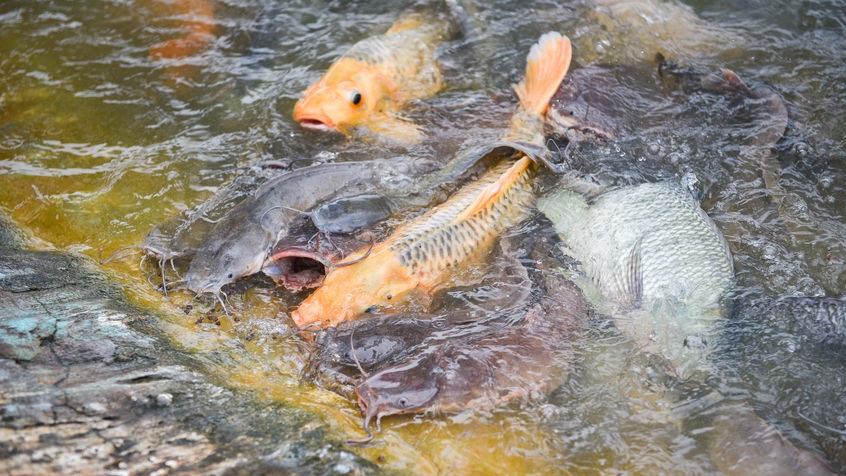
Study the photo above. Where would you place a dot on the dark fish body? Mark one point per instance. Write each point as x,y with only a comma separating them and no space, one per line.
485,369
377,341
652,257
240,242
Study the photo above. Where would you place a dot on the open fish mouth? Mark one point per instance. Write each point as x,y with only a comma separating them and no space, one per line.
297,268
316,125
317,122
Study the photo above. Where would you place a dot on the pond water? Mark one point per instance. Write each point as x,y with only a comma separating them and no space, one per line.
99,143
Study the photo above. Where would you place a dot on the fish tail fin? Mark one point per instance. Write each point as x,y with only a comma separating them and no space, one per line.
546,66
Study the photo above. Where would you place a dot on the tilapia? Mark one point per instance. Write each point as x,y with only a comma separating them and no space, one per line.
425,254
651,257
366,89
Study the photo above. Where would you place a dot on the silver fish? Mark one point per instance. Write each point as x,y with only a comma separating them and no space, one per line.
651,257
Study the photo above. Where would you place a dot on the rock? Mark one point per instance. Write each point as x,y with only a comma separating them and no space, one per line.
89,386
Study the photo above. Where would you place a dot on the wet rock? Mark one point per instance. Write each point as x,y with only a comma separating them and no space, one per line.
89,386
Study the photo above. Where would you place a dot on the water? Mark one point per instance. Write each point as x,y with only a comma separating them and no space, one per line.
99,143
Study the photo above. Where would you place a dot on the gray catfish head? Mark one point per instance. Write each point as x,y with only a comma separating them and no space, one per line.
407,388
227,257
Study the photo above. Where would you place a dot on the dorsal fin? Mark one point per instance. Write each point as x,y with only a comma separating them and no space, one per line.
493,191
408,23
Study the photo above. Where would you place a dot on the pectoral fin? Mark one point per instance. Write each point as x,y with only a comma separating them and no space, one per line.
395,129
629,278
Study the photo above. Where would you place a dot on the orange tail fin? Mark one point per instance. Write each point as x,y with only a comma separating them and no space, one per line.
546,66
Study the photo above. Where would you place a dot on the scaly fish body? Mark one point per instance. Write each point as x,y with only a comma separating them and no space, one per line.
425,254
419,256
652,258
371,83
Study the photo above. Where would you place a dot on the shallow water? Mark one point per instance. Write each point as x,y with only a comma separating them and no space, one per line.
99,143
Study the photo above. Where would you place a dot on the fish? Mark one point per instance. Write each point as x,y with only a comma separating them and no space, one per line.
743,443
652,258
425,254
241,241
366,89
377,341
189,237
485,369
198,17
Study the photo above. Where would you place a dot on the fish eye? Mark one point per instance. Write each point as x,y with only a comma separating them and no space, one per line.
403,402
355,98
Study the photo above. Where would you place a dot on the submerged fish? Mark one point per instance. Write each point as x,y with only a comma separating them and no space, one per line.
373,343
425,254
368,86
482,370
660,265
823,319
198,17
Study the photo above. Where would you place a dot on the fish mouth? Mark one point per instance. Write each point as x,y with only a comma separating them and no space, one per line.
297,268
316,122
316,125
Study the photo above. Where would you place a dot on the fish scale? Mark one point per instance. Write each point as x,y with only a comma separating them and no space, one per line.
653,259
420,258
441,241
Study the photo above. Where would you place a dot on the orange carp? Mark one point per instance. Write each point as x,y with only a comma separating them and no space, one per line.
365,89
421,256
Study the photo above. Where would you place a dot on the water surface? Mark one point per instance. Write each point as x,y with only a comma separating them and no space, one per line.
99,143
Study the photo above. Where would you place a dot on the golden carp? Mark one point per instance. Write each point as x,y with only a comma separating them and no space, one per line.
365,89
419,257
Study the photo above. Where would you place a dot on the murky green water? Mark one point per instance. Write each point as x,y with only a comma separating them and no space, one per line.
99,143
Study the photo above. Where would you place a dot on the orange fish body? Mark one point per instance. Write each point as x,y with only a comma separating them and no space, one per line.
198,17
367,87
418,257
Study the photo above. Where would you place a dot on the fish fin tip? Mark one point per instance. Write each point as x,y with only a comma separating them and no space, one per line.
546,66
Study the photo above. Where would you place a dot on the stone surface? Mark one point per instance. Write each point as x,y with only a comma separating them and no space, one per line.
88,386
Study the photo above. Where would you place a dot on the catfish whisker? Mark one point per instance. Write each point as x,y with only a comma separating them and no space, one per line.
118,253
816,423
347,263
355,356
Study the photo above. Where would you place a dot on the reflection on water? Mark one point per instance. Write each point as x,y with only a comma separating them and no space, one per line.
99,143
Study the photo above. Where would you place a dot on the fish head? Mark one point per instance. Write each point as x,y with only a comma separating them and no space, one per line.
350,291
349,95
225,261
408,388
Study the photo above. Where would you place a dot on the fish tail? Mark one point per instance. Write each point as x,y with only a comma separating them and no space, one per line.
546,66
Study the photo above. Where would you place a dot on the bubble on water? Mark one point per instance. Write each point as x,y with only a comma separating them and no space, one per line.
654,148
